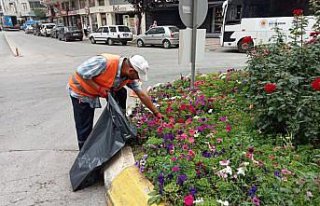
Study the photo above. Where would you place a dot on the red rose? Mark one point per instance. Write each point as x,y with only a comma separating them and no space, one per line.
297,12
188,200
270,87
315,84
247,40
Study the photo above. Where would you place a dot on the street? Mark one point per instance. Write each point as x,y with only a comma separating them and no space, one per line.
38,139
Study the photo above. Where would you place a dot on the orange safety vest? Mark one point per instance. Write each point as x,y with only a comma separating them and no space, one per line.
104,80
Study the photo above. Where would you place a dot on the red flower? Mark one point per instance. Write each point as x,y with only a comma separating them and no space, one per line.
188,200
315,84
297,12
247,40
270,87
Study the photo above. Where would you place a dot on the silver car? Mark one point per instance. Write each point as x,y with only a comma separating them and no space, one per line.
167,36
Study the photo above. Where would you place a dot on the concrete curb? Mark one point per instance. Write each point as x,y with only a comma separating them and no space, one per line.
13,47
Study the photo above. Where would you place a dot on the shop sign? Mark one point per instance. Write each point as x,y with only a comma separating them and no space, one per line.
63,12
72,12
119,8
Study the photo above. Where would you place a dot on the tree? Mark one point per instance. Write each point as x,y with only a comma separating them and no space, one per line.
39,13
142,6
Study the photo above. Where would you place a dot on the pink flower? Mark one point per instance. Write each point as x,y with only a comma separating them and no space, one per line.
184,136
173,159
188,200
256,201
185,147
224,162
192,132
219,140
228,128
175,169
191,153
191,140
286,172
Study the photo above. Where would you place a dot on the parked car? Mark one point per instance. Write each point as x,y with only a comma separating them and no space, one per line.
166,36
54,32
46,29
111,34
29,29
68,33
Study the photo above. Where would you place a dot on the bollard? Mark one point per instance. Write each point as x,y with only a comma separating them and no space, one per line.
17,52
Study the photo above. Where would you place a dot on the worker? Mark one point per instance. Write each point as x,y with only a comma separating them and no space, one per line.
99,76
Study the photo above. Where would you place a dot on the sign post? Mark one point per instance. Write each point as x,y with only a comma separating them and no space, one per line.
193,14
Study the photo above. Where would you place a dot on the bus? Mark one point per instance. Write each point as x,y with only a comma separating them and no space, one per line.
10,23
256,20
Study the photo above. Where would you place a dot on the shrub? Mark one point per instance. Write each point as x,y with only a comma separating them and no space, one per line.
283,81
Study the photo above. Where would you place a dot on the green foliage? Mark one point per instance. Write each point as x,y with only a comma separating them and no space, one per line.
39,13
294,107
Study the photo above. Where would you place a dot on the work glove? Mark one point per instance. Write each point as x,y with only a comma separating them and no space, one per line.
103,92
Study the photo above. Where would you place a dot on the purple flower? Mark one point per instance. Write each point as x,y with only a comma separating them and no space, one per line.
181,179
206,154
170,176
168,136
223,119
180,132
193,190
277,173
161,179
253,191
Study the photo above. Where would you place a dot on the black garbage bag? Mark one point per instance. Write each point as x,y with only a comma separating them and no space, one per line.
107,137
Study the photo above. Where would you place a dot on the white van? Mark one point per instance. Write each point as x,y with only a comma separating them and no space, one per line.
111,34
46,29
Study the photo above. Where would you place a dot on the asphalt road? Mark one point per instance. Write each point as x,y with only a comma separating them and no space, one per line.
37,135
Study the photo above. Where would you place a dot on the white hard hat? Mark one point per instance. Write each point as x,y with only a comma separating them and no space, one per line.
140,65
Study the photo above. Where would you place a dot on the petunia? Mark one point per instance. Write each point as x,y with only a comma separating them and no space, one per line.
224,203
206,154
188,200
181,179
191,140
175,169
241,171
219,140
223,119
228,128
270,88
252,191
256,201
224,162
315,84
210,111
191,153
286,172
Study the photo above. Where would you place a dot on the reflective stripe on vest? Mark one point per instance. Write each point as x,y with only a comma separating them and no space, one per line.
104,80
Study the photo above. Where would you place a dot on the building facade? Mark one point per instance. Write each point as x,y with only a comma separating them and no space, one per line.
168,14
92,14
14,13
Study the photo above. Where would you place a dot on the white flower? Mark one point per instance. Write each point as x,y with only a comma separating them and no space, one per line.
244,164
198,201
224,172
224,203
309,194
196,134
210,111
196,117
222,75
241,171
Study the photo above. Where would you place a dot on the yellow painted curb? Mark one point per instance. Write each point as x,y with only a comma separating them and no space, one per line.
129,188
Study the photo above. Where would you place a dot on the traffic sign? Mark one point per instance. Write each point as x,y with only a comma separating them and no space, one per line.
186,12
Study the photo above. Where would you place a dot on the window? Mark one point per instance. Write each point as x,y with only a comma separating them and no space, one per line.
151,31
174,29
82,4
24,6
160,30
113,29
99,30
101,2
123,29
92,3
105,30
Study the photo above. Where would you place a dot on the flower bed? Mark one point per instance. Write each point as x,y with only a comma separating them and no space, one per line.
207,151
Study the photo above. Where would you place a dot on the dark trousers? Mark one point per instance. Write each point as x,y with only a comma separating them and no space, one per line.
84,114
